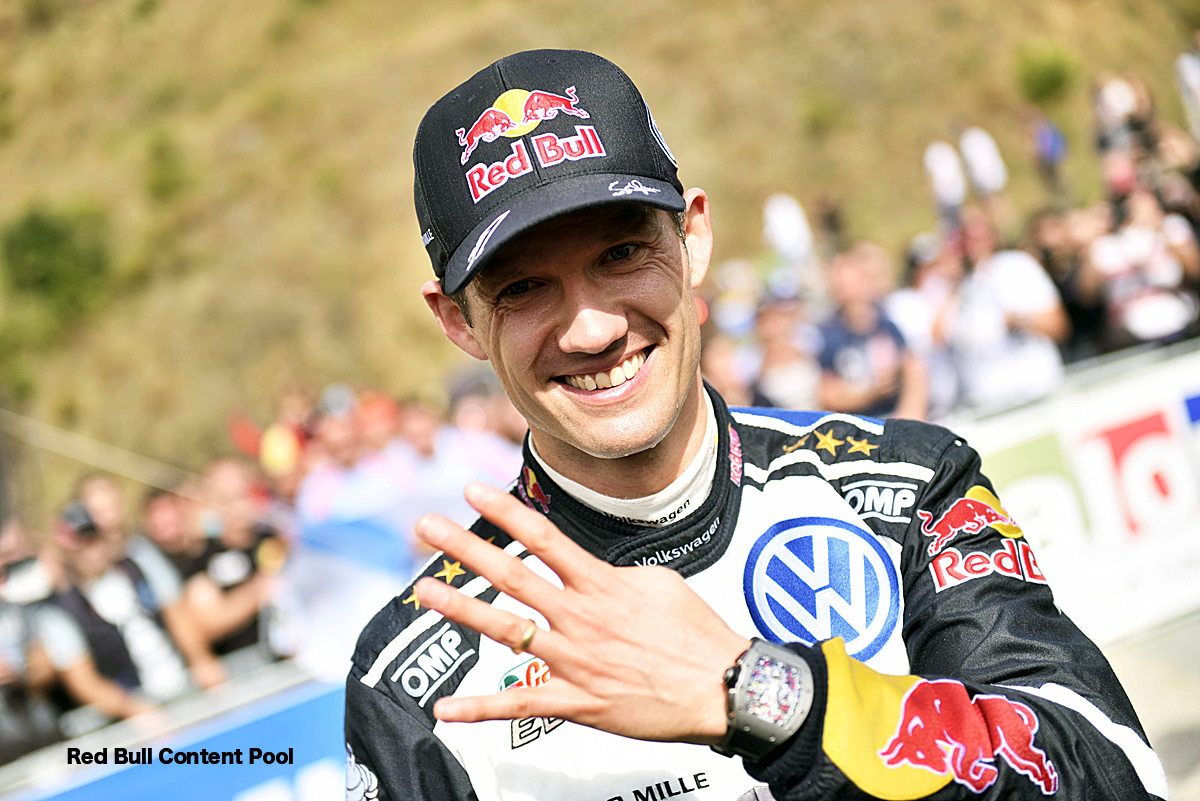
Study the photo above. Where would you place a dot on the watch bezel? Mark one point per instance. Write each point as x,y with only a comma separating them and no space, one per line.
748,734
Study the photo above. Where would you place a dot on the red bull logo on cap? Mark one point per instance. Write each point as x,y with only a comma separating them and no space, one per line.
972,513
945,731
514,114
531,491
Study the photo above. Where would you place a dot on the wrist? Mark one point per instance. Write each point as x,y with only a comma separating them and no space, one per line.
769,693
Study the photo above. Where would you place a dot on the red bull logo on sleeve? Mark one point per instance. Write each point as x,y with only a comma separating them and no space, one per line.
531,491
945,731
514,114
974,512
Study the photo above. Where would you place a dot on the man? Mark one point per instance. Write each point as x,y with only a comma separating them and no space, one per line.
118,635
657,546
1004,323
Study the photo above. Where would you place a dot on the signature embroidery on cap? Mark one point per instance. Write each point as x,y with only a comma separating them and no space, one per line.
631,187
481,243
427,237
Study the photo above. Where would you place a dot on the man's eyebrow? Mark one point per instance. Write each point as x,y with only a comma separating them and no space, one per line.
493,275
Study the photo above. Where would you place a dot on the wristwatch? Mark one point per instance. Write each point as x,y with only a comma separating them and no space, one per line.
769,692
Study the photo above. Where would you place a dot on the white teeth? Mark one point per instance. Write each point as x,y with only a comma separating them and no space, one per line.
612,378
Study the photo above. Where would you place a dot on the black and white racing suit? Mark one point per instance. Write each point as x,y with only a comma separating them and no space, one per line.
943,667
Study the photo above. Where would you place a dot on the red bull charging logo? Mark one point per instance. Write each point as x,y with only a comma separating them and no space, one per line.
972,514
514,114
945,731
531,491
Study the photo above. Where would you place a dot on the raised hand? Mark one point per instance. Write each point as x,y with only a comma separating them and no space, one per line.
631,650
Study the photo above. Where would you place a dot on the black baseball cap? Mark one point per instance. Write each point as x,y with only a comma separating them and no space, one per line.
533,136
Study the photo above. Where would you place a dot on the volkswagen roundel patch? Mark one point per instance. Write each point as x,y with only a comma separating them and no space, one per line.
812,578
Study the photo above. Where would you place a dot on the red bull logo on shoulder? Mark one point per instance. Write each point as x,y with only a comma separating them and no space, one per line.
944,730
972,514
531,491
514,114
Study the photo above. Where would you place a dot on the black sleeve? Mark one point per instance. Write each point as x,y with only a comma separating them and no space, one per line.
1008,698
392,755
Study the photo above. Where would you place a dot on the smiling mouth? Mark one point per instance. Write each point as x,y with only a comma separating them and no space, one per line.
608,378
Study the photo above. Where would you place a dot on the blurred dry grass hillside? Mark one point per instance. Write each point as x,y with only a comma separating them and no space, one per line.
244,165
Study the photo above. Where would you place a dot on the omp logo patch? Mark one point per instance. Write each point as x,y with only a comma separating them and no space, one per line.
533,673
433,662
885,500
813,578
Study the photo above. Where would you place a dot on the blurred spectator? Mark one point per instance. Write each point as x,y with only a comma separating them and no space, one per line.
227,585
1147,266
478,403
1187,77
28,719
282,450
1049,147
788,375
946,181
725,366
167,524
1114,103
932,273
1055,242
866,366
986,173
1004,323
107,633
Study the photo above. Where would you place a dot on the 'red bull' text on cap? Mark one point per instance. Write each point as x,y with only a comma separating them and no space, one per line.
533,136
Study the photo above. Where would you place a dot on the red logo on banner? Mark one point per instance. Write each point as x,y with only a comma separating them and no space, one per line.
1151,472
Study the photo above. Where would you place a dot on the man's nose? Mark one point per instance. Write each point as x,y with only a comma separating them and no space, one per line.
592,322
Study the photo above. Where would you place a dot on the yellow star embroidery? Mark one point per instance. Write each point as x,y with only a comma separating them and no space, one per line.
798,444
450,571
859,446
827,442
413,598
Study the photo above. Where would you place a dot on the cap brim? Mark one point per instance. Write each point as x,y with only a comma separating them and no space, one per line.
545,202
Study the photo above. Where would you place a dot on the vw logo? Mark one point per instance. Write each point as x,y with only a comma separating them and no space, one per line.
812,578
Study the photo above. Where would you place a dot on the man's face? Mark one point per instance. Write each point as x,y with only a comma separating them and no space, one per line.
590,324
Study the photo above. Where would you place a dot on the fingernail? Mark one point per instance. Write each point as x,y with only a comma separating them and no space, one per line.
430,592
426,529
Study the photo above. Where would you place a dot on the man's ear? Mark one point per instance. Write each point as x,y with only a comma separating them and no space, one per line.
451,319
697,230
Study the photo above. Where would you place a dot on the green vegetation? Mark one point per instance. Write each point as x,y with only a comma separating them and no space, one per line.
1044,73
58,260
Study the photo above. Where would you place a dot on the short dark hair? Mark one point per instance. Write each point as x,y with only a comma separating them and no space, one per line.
460,297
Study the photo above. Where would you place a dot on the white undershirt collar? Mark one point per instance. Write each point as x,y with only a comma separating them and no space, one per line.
678,499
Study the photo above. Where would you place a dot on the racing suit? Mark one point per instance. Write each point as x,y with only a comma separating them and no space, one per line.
876,550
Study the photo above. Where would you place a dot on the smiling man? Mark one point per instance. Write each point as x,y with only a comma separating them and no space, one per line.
677,599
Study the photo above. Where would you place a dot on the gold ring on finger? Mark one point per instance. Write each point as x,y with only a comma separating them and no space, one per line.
526,638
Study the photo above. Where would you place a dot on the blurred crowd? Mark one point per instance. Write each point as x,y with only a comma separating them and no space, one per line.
989,309
287,548
282,551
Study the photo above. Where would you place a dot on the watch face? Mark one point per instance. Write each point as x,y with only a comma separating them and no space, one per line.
773,691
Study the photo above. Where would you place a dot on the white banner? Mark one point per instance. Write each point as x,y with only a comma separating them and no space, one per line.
1104,478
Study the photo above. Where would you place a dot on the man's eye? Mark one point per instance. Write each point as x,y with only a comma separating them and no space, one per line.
621,252
516,288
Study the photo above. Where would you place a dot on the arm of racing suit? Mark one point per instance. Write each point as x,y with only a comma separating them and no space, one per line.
393,756
1008,699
